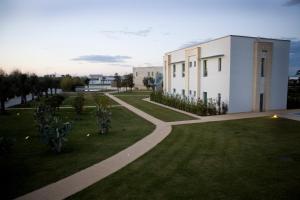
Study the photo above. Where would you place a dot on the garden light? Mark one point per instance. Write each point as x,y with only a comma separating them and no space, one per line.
274,116
27,137
88,135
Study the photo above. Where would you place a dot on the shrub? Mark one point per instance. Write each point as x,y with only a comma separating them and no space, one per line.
78,104
196,106
54,101
103,113
52,131
6,145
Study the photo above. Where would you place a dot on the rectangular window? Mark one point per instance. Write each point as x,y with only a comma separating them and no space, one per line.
174,90
191,64
194,93
183,70
194,63
190,93
152,73
220,64
148,74
205,68
136,73
174,70
262,67
183,92
205,97
219,99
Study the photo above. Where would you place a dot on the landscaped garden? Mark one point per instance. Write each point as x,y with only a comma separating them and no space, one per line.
159,112
256,158
30,164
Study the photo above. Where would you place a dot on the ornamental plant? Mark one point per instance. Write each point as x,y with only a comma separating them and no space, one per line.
51,129
78,104
196,106
103,113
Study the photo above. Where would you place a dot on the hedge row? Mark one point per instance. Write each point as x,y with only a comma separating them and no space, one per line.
198,107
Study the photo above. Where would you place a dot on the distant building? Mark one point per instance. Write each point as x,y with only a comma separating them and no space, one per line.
139,73
247,73
99,82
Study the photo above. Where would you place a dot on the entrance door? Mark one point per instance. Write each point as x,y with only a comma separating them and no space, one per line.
261,102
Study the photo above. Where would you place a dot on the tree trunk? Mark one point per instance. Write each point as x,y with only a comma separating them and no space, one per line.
51,91
2,106
32,96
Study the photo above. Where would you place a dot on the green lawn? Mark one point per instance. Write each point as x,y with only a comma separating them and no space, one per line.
241,159
159,112
31,165
69,98
135,92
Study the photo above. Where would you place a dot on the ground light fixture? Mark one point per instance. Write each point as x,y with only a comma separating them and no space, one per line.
274,116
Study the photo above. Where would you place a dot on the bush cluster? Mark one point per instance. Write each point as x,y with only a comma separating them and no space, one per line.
198,107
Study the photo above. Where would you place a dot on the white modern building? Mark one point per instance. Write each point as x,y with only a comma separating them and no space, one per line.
247,73
139,73
99,82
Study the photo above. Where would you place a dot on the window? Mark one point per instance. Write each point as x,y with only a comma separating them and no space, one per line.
136,74
191,64
148,74
174,90
262,67
194,93
174,70
205,68
220,64
219,99
194,63
183,70
183,92
205,97
152,73
190,92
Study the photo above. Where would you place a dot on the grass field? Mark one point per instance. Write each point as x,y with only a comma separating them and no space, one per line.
69,98
241,159
32,165
154,110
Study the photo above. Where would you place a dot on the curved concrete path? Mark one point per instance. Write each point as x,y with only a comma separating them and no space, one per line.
84,178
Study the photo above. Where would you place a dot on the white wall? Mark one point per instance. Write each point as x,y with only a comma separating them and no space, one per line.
279,79
177,82
241,74
216,82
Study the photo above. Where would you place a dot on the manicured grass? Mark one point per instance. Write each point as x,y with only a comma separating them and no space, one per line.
154,110
135,92
69,98
31,164
242,159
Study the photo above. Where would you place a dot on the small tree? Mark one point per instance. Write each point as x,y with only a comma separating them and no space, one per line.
103,113
148,82
52,131
6,89
78,104
118,81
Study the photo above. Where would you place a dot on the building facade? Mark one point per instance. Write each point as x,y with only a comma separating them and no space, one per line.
139,73
247,73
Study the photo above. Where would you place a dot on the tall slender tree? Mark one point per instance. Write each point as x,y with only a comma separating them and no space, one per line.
6,90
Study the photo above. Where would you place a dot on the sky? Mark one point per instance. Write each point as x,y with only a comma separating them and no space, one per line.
82,37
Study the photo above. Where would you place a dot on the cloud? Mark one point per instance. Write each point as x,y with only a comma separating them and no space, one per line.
139,33
292,3
102,58
192,43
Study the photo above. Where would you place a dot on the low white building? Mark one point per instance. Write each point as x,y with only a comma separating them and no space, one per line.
247,73
139,73
99,82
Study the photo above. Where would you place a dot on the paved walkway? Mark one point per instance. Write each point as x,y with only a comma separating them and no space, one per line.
84,178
